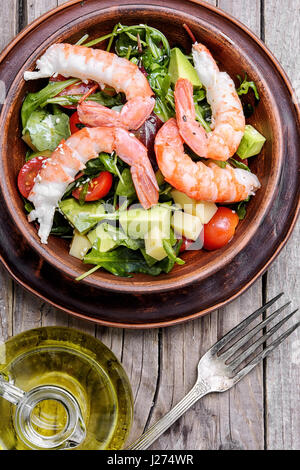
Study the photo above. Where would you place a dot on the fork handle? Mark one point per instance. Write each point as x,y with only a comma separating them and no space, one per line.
154,432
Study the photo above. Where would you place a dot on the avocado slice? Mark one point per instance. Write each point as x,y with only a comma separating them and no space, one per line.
80,245
180,67
101,240
154,243
136,223
84,217
251,143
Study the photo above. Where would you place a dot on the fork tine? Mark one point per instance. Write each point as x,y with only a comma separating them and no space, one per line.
242,357
266,352
244,339
236,330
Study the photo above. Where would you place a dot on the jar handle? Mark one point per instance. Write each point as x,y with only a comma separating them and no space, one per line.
9,391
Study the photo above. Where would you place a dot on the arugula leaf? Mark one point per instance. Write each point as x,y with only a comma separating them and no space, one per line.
83,193
241,210
238,164
199,95
27,205
125,186
245,85
121,262
220,163
93,167
142,37
167,263
37,100
60,226
171,253
162,110
149,260
99,97
47,130
110,163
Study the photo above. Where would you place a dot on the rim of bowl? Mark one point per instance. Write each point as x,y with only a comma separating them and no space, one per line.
144,287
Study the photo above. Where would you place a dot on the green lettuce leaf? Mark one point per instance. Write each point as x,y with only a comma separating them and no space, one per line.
37,100
47,130
121,262
125,186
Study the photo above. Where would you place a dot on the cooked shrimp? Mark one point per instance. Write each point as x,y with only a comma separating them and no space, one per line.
132,115
228,121
71,156
196,179
105,68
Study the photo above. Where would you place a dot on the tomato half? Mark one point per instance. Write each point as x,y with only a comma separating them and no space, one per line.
220,229
75,124
28,174
98,187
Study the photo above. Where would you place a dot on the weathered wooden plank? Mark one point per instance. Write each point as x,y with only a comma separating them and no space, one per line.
282,36
233,420
247,11
162,367
8,27
243,426
29,311
34,9
140,360
283,367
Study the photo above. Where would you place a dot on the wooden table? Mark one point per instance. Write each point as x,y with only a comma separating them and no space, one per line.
262,411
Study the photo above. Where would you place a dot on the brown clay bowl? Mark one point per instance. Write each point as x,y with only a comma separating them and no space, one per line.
236,50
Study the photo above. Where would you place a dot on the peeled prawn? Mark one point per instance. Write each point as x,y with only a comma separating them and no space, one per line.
196,179
132,115
105,68
228,121
70,157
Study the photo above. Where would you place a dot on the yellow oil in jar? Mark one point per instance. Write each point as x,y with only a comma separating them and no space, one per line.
79,364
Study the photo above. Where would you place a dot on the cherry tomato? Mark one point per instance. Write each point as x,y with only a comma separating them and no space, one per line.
98,187
28,173
75,124
220,229
186,243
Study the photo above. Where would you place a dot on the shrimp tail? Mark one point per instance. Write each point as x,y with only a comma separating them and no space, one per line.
228,120
135,154
145,189
190,130
96,115
131,117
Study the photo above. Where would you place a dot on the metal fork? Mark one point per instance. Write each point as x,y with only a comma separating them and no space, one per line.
222,367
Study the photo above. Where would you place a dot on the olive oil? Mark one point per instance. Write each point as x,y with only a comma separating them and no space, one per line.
54,359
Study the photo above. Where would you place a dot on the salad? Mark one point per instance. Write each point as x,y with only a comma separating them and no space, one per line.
138,152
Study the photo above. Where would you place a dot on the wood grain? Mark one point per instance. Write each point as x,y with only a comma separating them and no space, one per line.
263,410
9,28
282,370
229,421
